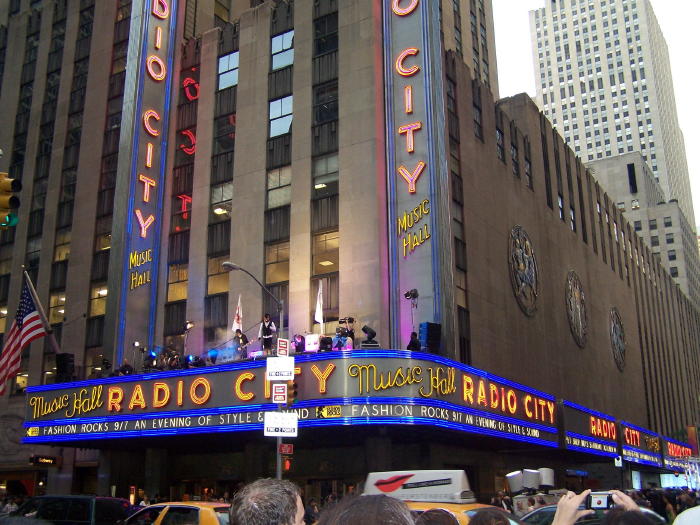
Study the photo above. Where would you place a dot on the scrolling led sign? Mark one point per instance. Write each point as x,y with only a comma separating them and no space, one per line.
676,454
147,167
640,445
589,431
365,387
413,100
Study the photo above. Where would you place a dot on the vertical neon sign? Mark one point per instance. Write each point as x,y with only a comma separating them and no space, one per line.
136,316
416,165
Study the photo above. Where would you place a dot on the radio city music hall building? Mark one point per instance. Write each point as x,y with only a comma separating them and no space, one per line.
357,144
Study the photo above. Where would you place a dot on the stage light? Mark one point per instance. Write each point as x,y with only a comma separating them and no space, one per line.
194,361
411,294
371,334
189,325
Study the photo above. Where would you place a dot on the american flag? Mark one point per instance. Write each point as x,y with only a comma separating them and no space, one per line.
26,327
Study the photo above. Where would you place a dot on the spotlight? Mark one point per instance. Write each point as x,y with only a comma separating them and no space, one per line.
150,360
194,361
188,326
137,344
371,334
411,294
106,364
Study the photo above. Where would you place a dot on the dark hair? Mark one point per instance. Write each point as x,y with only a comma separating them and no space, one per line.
489,517
621,516
367,510
436,517
265,502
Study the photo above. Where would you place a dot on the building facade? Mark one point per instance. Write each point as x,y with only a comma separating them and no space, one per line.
316,145
603,78
661,224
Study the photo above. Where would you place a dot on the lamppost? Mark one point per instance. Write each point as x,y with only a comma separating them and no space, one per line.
229,266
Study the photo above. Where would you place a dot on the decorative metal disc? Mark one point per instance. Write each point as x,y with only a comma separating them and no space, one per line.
575,300
617,338
523,270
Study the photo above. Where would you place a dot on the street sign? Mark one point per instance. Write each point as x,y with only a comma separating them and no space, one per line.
280,368
287,449
282,347
281,424
618,461
279,393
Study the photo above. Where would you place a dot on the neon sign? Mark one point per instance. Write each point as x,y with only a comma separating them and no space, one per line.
151,67
640,445
416,163
589,431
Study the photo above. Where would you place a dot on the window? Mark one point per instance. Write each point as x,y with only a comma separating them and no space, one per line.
217,276
228,70
635,204
672,255
654,240
220,202
652,224
326,34
621,206
325,253
674,271
499,145
325,176
326,103
280,116
282,50
182,208
669,238
61,250
277,262
637,226
279,187
98,300
668,222
57,307
177,282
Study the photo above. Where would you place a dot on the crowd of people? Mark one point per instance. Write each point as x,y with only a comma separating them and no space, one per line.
279,502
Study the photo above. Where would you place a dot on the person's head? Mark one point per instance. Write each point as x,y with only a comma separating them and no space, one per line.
267,502
367,510
238,332
266,317
489,517
414,335
530,500
297,337
622,516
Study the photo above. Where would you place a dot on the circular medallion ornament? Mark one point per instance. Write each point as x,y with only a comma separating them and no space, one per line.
523,270
576,308
617,338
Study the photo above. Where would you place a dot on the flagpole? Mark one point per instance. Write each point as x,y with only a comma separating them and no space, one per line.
42,314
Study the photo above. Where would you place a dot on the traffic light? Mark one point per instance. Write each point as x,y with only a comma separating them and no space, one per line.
286,463
8,201
291,392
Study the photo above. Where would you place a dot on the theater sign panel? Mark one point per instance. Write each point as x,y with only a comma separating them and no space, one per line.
367,387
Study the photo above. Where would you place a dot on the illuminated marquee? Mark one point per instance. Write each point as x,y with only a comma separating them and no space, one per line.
151,68
676,454
589,431
640,445
366,387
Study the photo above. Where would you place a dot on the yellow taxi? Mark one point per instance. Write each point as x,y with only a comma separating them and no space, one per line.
460,512
181,513
434,496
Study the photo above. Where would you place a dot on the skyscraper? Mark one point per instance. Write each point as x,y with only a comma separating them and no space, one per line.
603,78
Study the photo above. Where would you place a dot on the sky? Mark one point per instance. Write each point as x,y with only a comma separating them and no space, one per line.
678,21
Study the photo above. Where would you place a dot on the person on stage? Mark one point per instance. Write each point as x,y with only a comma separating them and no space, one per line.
266,333
240,342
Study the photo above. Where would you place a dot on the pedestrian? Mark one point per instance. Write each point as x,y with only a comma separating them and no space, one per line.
267,502
414,343
312,512
690,516
10,506
367,510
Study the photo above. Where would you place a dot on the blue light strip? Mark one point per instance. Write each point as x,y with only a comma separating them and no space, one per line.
312,423
639,429
641,451
347,354
588,410
641,461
